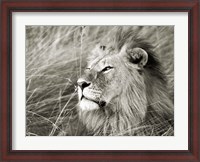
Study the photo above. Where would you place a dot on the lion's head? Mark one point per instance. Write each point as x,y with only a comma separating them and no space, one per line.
122,90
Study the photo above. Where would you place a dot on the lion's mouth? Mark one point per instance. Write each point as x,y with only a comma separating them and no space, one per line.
98,102
84,97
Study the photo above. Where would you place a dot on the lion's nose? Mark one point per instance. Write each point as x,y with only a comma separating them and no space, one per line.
83,83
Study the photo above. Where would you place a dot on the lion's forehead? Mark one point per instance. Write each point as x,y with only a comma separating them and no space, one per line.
101,62
98,56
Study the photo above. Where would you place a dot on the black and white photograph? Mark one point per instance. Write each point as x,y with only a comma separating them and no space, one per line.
99,80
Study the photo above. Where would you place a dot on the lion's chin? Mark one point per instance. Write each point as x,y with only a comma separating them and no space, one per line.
88,105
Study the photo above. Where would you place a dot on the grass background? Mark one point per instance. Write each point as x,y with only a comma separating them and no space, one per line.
55,59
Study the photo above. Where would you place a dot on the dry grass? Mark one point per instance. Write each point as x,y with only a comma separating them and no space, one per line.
55,57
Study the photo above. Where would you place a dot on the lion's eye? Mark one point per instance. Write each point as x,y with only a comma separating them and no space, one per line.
106,69
87,68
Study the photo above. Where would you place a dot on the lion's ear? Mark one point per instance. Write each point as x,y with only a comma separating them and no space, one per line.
137,55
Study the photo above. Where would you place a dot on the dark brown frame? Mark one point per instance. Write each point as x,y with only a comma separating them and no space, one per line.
192,7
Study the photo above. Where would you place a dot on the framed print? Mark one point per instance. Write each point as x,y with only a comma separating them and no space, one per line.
100,81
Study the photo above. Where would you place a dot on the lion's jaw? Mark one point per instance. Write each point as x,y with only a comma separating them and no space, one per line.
89,99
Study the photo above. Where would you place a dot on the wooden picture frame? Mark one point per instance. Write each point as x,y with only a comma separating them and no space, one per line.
9,6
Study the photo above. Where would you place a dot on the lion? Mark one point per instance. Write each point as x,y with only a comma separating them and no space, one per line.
123,90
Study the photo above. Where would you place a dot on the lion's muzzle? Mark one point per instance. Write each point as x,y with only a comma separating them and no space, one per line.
89,97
